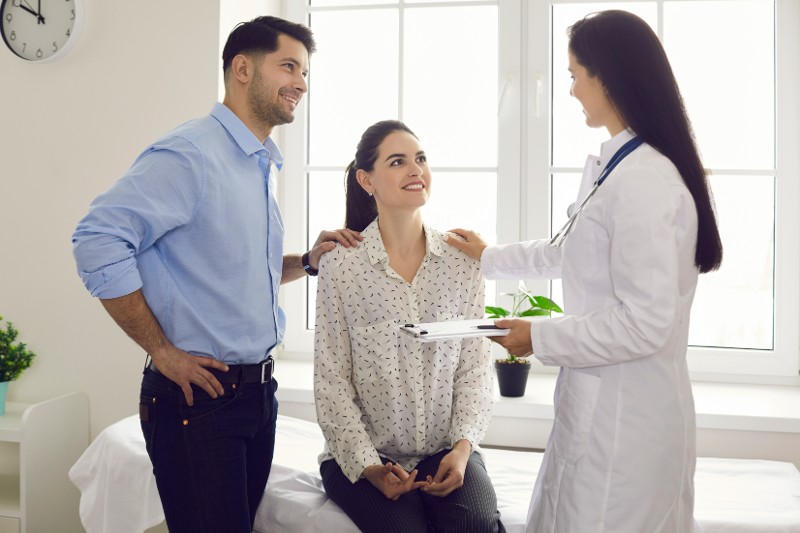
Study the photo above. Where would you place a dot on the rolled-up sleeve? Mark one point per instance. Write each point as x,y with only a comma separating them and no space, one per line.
160,192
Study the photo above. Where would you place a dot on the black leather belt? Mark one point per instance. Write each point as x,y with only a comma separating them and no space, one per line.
257,373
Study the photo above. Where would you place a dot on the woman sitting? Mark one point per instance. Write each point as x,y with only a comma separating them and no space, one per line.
401,418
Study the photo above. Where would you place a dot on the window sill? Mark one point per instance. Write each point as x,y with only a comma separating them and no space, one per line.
765,418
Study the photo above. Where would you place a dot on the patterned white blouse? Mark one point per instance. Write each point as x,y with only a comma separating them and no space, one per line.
378,391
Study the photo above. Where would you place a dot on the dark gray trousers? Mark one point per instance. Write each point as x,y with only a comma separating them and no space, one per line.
471,508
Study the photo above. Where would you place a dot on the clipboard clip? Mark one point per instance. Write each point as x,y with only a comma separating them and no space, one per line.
414,330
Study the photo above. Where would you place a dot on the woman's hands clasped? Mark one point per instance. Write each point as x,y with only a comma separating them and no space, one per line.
450,475
393,481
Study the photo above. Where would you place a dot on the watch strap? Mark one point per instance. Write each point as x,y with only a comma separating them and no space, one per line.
307,267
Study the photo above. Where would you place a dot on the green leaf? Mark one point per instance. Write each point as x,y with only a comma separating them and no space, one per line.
535,312
496,312
546,303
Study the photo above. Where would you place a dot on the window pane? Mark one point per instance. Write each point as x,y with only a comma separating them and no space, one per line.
450,82
572,139
326,206
726,73
463,199
353,79
733,307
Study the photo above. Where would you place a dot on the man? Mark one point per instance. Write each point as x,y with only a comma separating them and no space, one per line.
186,254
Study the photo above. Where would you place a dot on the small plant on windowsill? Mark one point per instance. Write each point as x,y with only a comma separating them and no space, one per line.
512,371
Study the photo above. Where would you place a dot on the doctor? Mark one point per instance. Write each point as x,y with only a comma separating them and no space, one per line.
621,454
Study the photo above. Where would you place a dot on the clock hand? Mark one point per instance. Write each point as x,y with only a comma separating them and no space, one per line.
29,10
39,13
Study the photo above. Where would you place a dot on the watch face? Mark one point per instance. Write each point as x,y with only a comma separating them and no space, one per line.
38,30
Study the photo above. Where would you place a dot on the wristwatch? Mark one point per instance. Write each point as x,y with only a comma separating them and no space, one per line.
309,270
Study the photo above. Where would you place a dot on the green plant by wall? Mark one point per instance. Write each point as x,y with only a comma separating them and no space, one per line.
14,356
524,304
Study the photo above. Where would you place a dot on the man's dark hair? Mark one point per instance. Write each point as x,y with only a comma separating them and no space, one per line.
260,36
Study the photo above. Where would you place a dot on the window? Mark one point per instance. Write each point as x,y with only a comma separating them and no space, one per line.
484,85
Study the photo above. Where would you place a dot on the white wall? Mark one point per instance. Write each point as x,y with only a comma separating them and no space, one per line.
69,130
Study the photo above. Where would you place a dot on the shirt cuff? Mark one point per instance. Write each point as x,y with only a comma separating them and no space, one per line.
537,342
354,466
113,281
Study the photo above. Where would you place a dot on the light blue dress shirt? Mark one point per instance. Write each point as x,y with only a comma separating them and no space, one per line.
195,224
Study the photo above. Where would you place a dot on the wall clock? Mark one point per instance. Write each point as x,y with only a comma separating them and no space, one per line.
40,30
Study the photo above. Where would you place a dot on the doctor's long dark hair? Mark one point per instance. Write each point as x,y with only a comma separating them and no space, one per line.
624,52
361,209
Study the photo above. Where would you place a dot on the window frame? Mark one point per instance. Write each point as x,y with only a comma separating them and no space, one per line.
524,208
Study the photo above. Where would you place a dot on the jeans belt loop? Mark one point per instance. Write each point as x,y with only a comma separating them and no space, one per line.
267,369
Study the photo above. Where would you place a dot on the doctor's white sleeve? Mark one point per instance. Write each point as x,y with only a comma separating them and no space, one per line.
522,260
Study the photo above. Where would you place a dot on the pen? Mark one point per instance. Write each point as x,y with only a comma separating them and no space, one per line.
487,326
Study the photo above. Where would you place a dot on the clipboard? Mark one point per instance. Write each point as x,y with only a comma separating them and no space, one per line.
453,329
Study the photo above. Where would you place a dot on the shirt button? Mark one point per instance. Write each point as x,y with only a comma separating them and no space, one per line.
597,163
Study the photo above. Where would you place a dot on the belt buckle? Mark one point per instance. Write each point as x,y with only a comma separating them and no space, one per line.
267,369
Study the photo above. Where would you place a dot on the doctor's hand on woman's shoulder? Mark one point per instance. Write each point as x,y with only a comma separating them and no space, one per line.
470,242
518,341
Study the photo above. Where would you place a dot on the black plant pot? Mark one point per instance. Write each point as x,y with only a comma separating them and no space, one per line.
512,378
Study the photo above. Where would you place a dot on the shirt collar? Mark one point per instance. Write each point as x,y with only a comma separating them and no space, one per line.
243,137
610,147
373,243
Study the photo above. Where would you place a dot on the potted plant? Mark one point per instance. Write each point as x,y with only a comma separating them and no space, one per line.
512,372
14,358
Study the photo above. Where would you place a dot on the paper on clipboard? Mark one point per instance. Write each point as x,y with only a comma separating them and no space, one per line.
453,329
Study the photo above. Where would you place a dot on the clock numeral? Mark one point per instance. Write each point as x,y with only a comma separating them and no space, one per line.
15,3
13,36
24,46
73,15
39,53
55,47
9,18
68,32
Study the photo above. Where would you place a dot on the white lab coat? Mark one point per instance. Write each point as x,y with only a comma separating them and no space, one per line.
621,454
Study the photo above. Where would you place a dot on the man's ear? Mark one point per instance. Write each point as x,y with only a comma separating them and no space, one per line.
242,68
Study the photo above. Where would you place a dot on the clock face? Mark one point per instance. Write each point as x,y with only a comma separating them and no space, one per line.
38,30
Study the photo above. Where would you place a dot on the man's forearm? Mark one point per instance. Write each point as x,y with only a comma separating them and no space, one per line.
133,315
292,268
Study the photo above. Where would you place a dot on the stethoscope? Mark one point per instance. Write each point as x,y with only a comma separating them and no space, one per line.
559,238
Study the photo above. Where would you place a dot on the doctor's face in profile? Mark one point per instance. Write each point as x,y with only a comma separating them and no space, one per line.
589,91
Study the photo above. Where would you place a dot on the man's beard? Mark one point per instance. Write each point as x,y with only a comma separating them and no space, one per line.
264,110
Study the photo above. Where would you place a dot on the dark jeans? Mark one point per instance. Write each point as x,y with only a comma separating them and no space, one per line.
212,460
469,509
